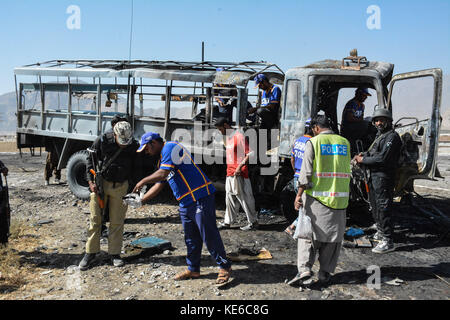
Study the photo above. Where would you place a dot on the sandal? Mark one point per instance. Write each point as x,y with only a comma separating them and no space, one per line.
290,230
224,276
187,274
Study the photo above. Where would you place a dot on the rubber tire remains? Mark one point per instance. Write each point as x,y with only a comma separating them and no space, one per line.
76,175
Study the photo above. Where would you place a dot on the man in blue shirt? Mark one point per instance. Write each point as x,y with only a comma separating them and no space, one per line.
195,193
270,102
287,194
353,126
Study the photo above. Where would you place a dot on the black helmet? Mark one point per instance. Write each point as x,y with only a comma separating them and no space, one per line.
382,112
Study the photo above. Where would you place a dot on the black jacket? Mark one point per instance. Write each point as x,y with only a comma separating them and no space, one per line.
126,166
383,155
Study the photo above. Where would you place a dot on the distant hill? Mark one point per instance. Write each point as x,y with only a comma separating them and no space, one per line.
414,97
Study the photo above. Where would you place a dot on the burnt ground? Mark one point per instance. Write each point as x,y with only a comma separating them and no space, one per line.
50,229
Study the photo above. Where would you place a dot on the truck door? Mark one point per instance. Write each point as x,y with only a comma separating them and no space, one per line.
418,96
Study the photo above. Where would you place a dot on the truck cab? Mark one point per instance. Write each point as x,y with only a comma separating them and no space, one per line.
320,87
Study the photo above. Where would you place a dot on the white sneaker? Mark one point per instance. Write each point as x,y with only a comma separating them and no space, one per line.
47,182
57,181
251,226
384,247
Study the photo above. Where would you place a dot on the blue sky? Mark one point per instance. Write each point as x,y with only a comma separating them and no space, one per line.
414,34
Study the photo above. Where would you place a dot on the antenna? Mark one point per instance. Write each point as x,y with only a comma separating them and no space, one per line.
131,31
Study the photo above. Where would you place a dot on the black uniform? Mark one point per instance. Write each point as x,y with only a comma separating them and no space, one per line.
127,165
382,160
4,209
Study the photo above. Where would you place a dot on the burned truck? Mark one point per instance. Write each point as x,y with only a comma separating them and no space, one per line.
64,105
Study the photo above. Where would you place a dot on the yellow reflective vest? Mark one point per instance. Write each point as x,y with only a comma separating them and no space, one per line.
331,171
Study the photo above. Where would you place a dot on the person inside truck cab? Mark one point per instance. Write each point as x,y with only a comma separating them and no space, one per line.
353,125
270,102
225,103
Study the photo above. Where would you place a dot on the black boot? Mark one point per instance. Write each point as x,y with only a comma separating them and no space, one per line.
86,262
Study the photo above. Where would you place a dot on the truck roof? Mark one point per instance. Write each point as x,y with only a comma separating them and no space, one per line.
207,71
385,69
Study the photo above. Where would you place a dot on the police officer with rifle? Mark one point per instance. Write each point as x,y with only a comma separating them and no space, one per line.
113,166
382,161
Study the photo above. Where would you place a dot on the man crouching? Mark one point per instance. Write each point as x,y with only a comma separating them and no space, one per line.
195,193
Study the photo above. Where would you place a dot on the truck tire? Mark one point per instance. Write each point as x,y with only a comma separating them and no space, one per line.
76,175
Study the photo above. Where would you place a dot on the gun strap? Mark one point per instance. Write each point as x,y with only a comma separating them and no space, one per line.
110,161
378,139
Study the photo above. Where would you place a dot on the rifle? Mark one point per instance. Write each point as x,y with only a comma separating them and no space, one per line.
97,172
98,179
360,148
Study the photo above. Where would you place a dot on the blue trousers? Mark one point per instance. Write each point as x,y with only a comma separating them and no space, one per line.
199,224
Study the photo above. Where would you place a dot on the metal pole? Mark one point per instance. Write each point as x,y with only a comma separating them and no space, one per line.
42,103
99,107
69,106
203,60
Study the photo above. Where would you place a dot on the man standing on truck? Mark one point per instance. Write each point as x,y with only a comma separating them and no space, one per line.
323,192
382,161
195,193
353,126
237,184
116,153
270,102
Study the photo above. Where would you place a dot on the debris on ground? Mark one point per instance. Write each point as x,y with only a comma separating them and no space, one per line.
245,254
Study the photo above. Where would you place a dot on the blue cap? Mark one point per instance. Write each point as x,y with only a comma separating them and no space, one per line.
308,122
146,138
259,78
364,90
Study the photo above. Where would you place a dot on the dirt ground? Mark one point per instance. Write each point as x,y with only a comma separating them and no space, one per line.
49,231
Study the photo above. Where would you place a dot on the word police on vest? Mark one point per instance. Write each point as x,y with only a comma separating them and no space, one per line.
333,149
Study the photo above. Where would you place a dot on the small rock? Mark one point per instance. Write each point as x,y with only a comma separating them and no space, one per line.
42,222
217,293
167,252
180,294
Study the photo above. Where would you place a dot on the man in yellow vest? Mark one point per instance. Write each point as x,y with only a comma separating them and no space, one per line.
324,186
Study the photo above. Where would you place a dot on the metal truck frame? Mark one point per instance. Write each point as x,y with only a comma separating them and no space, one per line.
307,91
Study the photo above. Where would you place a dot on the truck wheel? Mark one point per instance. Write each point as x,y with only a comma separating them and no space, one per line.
76,175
